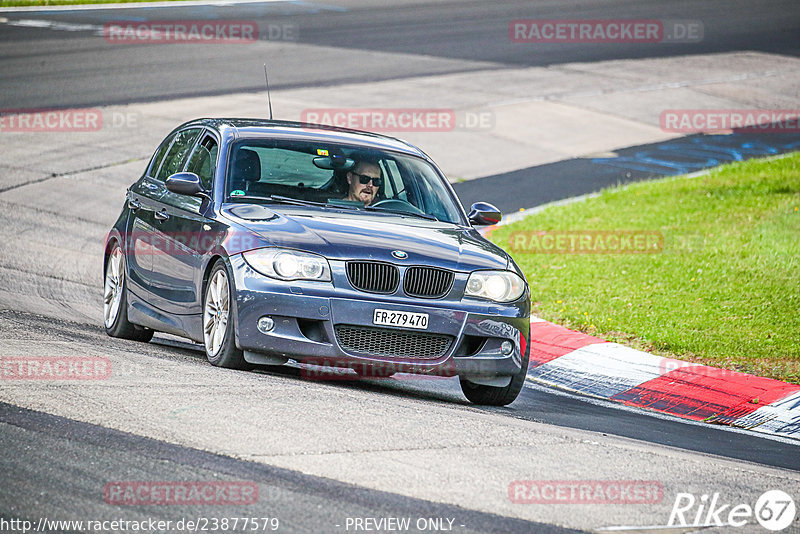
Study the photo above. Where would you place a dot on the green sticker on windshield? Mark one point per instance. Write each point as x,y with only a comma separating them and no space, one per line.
237,193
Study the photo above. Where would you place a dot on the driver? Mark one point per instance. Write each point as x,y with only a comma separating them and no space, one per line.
364,181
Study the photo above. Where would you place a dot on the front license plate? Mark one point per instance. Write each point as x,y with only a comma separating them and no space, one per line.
400,318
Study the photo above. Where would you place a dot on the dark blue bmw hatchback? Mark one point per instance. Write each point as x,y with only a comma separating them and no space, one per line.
270,241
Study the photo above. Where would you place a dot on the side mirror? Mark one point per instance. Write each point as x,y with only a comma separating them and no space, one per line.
185,183
483,214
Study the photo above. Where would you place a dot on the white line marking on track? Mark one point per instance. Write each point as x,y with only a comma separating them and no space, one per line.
53,25
139,5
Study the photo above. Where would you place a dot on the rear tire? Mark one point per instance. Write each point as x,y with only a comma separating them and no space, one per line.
115,301
498,396
218,335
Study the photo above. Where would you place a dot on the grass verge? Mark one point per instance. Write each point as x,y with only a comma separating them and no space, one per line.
723,289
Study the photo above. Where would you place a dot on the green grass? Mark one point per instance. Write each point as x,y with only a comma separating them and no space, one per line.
25,3
725,289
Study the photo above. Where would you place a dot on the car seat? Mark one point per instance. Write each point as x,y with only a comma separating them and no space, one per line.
246,169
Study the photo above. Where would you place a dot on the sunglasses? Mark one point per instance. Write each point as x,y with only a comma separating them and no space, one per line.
365,179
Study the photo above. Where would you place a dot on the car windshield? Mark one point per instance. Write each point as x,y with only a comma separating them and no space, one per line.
301,172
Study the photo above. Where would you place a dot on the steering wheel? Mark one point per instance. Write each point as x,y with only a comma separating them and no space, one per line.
399,205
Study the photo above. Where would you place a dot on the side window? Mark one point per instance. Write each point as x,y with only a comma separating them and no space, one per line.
152,169
178,152
204,161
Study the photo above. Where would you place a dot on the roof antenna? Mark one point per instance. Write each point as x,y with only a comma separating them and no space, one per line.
269,99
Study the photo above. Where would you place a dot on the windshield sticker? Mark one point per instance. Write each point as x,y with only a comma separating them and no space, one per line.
237,193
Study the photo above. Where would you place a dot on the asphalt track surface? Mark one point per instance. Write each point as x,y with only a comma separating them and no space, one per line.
351,41
552,182
301,503
53,68
537,404
56,467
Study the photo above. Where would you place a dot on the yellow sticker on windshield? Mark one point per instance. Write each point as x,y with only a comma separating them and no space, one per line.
322,152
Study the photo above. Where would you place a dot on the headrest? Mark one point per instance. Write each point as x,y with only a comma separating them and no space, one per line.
247,166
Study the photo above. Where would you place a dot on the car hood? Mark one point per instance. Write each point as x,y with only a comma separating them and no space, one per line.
353,235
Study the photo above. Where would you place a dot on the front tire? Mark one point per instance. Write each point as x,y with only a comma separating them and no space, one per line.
218,334
498,396
115,301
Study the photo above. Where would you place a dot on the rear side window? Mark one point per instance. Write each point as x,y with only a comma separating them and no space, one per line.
178,153
204,161
155,163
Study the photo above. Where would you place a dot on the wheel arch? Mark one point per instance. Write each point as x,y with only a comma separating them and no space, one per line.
212,262
112,239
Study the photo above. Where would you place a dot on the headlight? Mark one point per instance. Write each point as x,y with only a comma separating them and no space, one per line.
499,286
286,264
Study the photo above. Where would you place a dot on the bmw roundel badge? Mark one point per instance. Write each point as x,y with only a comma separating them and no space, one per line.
399,254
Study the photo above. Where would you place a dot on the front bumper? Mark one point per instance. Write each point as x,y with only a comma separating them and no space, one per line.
306,315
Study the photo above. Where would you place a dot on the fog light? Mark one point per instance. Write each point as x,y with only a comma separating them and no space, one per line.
507,347
265,324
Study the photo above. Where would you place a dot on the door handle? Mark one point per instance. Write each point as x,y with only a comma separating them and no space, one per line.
134,204
162,215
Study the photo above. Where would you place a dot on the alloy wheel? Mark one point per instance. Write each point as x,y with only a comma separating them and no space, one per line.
216,312
115,281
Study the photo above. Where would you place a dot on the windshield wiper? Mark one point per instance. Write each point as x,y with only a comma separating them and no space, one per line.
277,198
401,212
299,202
